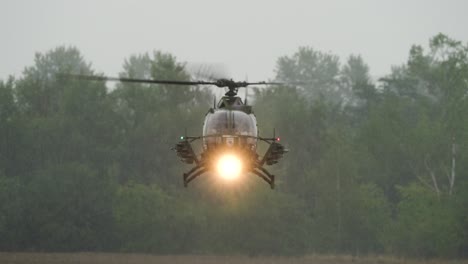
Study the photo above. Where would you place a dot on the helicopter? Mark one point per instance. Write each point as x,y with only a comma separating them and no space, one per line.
230,134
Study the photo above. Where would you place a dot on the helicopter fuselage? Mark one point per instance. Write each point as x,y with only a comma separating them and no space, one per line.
230,129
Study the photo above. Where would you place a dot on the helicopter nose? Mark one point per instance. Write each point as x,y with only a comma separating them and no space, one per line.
229,141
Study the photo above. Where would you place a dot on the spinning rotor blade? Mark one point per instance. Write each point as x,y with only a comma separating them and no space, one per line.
133,80
229,83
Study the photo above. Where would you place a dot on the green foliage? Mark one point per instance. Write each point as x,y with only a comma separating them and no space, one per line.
274,228
426,226
9,128
70,207
318,71
142,214
11,208
372,168
147,115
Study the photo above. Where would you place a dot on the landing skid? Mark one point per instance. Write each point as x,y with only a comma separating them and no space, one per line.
254,165
200,169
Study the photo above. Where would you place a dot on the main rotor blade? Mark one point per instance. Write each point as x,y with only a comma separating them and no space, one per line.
219,83
134,80
266,83
276,83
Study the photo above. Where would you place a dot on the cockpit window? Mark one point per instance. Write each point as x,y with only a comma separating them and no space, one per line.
228,101
217,123
230,122
243,124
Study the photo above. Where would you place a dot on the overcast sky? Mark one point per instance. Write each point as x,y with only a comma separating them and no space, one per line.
246,37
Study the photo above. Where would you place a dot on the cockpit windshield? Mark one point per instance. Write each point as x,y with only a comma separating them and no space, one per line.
216,123
243,124
229,123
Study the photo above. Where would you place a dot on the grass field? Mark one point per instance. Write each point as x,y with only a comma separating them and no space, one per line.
101,258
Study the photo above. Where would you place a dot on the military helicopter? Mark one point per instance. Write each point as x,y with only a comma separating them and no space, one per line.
230,134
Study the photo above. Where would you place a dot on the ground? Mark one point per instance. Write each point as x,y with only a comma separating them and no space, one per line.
100,258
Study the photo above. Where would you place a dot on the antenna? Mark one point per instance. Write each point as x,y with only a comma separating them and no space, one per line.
246,89
246,93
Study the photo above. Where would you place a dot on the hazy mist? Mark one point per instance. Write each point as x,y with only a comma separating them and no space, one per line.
245,36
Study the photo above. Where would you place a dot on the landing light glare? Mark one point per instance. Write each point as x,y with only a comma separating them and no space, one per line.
229,167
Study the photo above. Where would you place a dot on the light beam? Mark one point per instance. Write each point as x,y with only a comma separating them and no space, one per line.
229,166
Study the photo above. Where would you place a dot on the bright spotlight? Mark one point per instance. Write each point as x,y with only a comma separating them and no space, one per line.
229,166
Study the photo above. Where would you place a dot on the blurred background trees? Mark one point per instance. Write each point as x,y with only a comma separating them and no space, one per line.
375,166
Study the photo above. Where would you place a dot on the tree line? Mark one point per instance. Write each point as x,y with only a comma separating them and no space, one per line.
375,166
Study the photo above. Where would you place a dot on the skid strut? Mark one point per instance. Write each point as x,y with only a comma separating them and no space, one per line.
200,169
